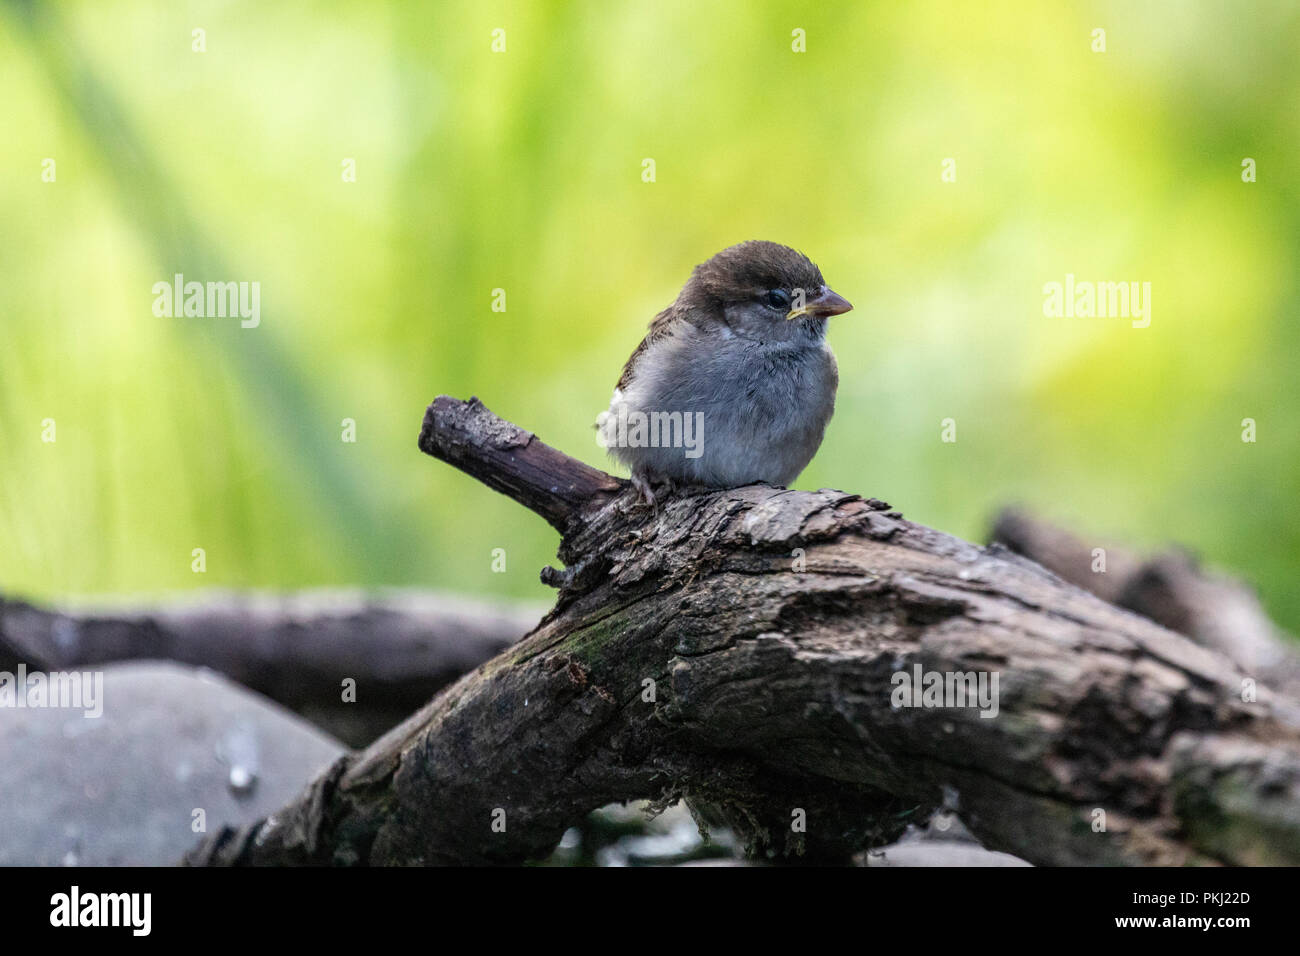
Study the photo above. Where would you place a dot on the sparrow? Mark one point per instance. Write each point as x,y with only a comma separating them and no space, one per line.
734,383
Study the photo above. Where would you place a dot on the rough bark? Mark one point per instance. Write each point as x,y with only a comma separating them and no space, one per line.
738,648
1171,588
400,646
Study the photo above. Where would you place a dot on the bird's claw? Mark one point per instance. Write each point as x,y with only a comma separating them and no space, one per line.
645,492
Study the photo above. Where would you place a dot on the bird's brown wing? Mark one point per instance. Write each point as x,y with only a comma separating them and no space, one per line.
661,327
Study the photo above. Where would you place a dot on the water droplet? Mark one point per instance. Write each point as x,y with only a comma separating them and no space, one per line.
241,779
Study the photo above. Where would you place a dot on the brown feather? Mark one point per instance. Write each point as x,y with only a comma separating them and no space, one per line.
737,273
660,327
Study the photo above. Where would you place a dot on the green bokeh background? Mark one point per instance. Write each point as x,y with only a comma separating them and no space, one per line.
522,170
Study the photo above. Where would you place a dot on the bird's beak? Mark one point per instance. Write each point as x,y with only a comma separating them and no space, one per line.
823,304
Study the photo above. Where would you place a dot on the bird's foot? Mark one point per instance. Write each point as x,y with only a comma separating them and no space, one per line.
645,493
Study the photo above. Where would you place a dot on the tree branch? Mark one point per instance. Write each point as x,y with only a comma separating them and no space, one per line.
741,648
1171,589
399,646
512,461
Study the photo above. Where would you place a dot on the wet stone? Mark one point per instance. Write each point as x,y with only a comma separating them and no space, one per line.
123,788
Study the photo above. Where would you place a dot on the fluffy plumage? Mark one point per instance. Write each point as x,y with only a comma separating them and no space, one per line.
734,382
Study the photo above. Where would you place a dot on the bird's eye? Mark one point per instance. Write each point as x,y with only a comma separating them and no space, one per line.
777,299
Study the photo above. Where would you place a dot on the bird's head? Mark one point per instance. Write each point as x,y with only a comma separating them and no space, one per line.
763,289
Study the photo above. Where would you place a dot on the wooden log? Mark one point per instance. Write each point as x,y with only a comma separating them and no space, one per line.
745,649
1171,588
399,647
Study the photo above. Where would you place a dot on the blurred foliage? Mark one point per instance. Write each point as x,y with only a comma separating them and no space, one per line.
522,170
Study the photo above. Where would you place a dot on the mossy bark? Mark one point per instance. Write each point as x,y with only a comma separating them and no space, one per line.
738,648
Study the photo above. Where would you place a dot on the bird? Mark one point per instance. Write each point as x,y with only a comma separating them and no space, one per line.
735,383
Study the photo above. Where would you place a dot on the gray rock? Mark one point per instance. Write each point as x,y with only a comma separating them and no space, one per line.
936,853
943,841
123,788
